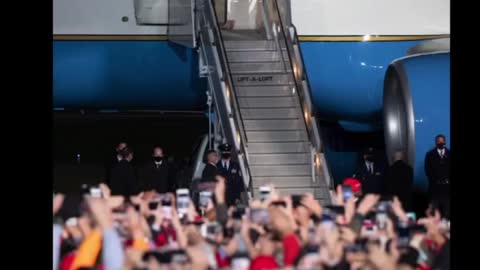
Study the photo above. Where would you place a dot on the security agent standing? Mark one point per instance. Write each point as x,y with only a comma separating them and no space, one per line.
370,173
437,169
123,178
399,180
155,173
231,170
114,160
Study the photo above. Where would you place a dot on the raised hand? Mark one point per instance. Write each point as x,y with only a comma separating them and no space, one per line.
398,209
339,196
281,221
380,259
367,204
349,210
220,190
105,190
101,212
312,204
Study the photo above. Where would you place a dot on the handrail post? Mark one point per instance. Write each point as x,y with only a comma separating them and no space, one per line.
266,19
279,47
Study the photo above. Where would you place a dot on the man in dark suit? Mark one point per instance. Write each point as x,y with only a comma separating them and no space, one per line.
437,169
399,180
123,177
155,173
370,173
210,170
113,160
231,170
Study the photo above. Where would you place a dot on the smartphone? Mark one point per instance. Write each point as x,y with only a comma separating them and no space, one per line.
205,197
96,192
265,192
240,263
166,207
259,216
209,230
370,227
383,206
347,192
412,217
71,222
183,201
381,220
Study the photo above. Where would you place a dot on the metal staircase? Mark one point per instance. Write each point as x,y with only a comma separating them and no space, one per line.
263,102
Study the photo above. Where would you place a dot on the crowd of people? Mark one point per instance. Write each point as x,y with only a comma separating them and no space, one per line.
125,224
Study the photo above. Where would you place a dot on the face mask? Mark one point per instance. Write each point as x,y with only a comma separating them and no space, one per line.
226,155
440,145
158,159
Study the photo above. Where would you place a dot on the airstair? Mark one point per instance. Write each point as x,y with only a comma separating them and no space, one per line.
260,95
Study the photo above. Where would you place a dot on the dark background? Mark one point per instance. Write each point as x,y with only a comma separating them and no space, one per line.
95,137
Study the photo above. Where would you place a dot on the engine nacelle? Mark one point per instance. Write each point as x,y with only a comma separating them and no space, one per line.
416,108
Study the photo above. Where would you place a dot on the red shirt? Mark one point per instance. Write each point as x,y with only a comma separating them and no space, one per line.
263,262
291,248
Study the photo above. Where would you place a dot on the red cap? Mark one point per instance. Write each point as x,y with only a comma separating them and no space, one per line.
354,183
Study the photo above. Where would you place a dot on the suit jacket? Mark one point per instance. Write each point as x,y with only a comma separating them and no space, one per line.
437,169
209,172
154,178
110,162
371,183
234,183
123,179
399,182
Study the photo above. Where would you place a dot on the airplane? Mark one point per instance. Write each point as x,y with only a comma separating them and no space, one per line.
373,66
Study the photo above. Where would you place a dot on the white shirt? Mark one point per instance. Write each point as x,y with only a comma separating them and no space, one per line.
157,164
369,166
441,152
119,158
226,164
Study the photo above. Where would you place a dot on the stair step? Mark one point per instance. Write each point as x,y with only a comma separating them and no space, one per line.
270,113
277,136
265,91
267,102
284,124
263,79
279,159
275,147
280,170
255,56
284,181
259,67
249,45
